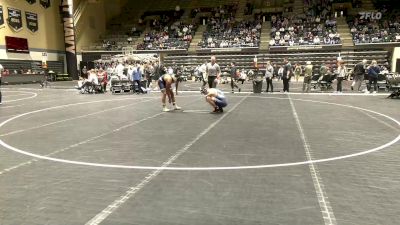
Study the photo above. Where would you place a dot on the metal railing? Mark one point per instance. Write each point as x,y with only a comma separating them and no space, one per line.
79,11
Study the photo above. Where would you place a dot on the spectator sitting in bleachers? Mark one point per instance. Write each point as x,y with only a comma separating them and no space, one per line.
176,36
374,31
225,33
314,26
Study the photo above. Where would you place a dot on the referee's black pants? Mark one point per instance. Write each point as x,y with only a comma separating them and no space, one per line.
211,82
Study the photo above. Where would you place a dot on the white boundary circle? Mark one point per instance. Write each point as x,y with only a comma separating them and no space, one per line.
34,95
12,148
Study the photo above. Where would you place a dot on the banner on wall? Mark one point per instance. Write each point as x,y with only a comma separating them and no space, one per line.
1,16
14,19
45,3
31,1
32,21
69,38
370,15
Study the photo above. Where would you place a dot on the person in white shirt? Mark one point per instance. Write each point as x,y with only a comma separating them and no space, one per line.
213,72
272,42
316,40
281,42
269,71
92,78
130,72
120,69
203,75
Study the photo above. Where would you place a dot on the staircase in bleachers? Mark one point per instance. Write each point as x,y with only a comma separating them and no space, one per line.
240,10
344,31
265,36
197,38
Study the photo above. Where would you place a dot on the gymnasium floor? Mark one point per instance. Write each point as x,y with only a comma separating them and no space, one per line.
304,159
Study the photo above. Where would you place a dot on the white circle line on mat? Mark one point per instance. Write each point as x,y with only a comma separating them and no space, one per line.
34,95
364,152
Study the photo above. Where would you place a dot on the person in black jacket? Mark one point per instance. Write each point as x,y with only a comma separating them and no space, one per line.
373,72
359,72
287,74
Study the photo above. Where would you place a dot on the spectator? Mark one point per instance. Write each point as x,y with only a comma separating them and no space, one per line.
120,70
307,77
359,72
269,71
287,74
233,73
137,77
129,39
102,78
373,71
341,74
297,72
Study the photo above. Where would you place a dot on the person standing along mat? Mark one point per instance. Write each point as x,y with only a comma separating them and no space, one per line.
307,77
269,73
287,75
373,72
359,72
137,77
233,73
203,73
215,98
297,72
165,84
341,74
178,75
213,73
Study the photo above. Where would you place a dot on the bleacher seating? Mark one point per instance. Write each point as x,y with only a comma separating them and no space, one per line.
225,33
176,36
385,30
374,30
303,30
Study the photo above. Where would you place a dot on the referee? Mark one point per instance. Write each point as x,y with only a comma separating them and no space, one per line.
213,73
